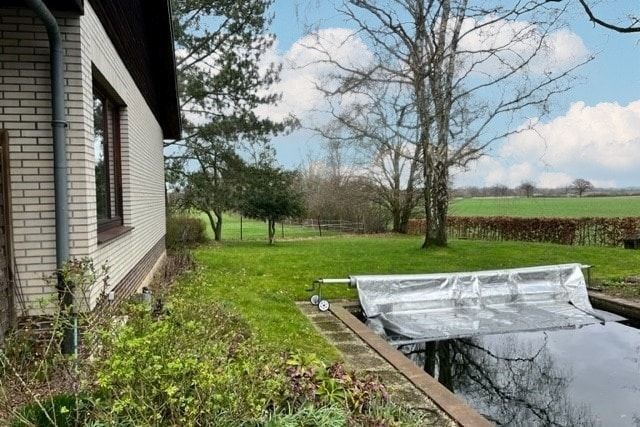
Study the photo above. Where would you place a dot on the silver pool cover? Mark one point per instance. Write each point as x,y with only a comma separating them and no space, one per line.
428,307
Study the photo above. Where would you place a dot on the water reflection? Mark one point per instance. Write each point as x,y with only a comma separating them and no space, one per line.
511,379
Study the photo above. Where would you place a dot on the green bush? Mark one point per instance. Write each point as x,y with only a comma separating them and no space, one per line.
197,364
184,231
63,410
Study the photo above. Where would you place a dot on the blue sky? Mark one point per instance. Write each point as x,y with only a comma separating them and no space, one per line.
613,77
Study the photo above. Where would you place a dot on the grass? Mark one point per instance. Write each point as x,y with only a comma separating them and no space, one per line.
257,230
573,207
261,282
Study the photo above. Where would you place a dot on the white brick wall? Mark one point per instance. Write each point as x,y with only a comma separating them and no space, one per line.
25,114
142,158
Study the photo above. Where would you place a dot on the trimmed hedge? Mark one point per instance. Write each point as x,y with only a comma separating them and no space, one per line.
565,231
184,231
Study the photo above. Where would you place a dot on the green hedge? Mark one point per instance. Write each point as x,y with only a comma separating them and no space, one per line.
184,231
564,231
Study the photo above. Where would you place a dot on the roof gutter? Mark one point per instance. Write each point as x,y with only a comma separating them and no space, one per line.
59,125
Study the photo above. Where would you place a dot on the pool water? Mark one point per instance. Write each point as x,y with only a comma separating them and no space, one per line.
569,377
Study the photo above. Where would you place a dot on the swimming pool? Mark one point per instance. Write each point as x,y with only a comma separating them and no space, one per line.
584,376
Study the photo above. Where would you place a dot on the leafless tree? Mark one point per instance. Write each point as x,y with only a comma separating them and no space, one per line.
334,191
580,186
383,134
465,69
527,188
632,25
499,190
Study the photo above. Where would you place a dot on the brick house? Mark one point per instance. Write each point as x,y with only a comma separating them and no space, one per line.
120,103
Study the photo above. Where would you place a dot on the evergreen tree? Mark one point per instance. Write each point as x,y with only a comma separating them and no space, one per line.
222,80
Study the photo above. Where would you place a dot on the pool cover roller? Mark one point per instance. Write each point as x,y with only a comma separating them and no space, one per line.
430,307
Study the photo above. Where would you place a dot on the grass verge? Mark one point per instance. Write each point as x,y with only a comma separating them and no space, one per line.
254,230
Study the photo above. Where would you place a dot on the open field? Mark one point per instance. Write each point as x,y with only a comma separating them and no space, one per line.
573,207
261,282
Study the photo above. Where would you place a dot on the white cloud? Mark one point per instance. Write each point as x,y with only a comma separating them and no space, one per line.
600,143
554,180
305,66
508,175
606,136
500,46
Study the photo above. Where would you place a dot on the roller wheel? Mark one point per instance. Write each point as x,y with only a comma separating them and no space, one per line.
323,305
315,299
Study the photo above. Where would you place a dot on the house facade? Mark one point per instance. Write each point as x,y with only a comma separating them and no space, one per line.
120,104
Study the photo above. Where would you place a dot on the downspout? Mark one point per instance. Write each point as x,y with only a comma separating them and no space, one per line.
59,125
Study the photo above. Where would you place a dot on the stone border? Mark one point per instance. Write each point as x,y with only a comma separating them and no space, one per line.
459,411
615,305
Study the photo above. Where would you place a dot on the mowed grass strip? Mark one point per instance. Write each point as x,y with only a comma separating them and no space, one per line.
569,207
257,230
262,282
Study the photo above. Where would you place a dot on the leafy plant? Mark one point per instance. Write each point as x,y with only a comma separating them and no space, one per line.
196,364
184,231
64,410
310,381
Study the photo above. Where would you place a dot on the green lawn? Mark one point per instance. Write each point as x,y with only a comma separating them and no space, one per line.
262,282
257,230
547,206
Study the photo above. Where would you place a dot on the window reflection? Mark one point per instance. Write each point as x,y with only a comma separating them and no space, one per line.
102,192
106,147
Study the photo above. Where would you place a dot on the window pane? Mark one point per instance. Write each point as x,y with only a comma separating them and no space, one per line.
101,166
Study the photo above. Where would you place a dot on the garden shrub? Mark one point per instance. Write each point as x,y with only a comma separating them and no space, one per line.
63,410
564,231
198,364
184,231
311,382
194,365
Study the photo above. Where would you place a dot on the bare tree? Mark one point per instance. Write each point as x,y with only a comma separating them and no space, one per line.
499,190
632,25
527,188
335,191
376,125
464,68
580,186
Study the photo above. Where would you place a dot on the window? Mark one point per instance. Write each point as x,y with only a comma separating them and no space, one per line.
106,144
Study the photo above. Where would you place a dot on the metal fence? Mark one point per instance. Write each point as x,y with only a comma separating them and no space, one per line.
247,229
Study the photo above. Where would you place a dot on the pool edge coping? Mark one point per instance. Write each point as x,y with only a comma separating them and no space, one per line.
459,411
616,305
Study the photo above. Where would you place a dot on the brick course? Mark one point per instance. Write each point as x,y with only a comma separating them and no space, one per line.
25,113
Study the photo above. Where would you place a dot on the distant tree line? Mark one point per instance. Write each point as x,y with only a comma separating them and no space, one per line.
579,187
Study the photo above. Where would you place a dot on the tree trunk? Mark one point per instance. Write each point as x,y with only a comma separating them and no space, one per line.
403,227
212,221
271,225
397,220
216,225
428,204
440,202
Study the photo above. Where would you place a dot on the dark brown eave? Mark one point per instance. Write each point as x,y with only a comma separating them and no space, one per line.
141,32
76,6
